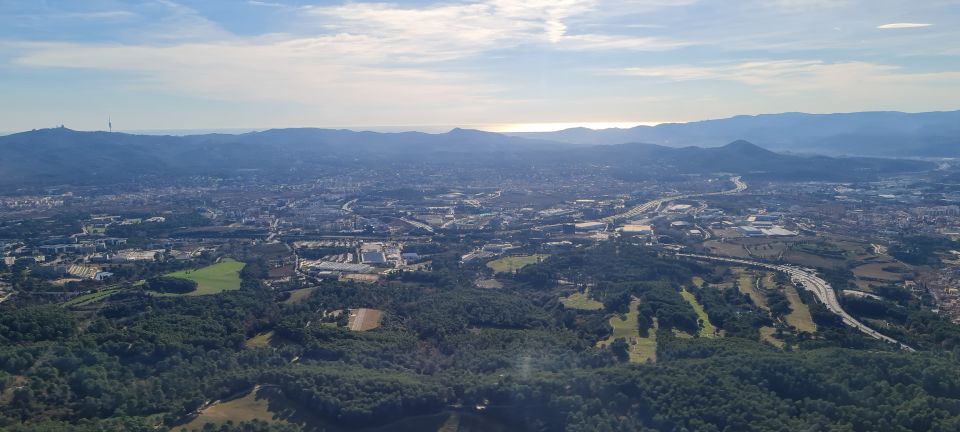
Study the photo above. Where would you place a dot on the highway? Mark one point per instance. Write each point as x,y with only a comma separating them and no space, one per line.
348,206
739,186
811,282
416,224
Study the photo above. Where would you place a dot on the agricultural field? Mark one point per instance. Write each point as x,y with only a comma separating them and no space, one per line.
820,248
299,295
808,251
881,271
212,279
765,248
364,319
581,301
642,349
727,248
511,264
707,329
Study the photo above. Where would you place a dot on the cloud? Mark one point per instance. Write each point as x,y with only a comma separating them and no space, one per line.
309,72
267,4
803,77
101,15
795,5
612,42
182,23
349,60
446,31
903,25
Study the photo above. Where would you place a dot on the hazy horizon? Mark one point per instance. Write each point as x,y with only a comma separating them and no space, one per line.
507,128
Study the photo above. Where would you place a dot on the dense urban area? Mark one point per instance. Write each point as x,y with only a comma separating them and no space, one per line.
435,296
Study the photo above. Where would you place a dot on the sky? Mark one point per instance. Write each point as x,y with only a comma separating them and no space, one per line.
507,65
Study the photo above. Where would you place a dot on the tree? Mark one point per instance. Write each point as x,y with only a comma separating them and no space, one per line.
621,349
165,284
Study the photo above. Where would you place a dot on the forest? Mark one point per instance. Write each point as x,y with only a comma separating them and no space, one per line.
140,361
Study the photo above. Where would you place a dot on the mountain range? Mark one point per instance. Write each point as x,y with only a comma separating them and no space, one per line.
62,156
885,133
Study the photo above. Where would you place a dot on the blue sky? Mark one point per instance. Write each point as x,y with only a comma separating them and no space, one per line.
179,64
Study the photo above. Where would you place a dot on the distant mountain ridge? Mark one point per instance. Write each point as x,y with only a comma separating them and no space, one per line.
62,156
881,133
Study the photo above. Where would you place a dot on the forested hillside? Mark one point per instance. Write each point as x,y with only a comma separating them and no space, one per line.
516,358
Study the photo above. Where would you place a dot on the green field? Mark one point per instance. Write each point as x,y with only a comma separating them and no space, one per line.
769,281
707,330
92,297
747,285
489,284
253,406
299,295
261,340
766,334
641,348
212,279
799,316
581,301
511,264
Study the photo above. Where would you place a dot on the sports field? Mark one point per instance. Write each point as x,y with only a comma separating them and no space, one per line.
641,348
747,285
707,330
214,278
92,297
261,340
581,301
766,334
799,316
511,264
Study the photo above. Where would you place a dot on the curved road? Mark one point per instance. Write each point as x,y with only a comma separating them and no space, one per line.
811,282
739,186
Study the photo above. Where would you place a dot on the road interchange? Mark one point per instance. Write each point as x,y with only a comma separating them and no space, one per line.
739,186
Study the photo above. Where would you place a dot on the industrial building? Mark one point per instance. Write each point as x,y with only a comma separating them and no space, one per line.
636,229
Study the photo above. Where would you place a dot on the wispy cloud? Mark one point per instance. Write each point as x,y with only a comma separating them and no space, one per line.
363,57
267,4
903,25
306,72
793,77
454,30
100,15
